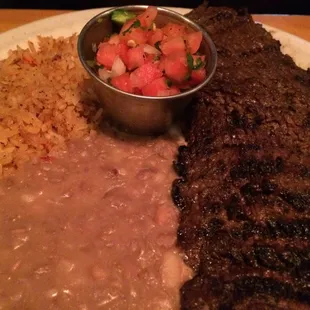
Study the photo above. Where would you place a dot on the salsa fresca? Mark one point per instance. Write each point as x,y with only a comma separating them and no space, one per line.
146,60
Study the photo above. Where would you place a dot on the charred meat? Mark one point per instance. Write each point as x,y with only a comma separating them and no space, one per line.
244,186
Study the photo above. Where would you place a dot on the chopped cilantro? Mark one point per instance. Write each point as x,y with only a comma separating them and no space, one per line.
187,77
157,45
190,61
91,63
199,64
136,24
156,58
194,66
94,65
169,83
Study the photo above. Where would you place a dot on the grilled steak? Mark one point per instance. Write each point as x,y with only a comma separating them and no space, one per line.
244,186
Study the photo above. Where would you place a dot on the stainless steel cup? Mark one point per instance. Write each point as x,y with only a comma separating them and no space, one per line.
139,114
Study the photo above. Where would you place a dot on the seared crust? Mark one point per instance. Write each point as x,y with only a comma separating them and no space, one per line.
244,186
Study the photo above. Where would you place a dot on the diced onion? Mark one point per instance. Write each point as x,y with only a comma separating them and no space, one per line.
134,79
151,49
118,67
131,43
114,39
171,269
104,74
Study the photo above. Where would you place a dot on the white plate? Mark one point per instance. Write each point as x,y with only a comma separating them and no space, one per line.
67,24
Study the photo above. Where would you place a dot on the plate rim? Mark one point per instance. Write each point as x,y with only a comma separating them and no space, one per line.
65,21
79,12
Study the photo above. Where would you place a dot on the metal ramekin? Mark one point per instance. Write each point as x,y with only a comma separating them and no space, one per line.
138,114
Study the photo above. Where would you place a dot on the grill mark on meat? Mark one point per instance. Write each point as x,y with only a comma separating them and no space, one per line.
304,172
307,121
244,187
236,120
253,189
231,293
277,228
265,258
249,286
300,201
292,261
244,205
271,229
252,168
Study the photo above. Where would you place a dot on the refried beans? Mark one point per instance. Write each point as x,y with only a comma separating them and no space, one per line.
92,227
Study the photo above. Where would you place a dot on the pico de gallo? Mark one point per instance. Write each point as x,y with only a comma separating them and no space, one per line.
147,60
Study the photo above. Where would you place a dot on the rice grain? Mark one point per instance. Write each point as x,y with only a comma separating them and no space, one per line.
46,99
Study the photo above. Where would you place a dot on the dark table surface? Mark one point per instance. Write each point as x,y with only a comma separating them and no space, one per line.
301,7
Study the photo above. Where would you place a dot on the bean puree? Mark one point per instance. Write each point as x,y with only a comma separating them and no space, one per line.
92,227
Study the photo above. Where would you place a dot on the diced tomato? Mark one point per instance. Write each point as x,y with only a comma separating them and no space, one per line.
122,82
127,25
193,41
196,57
155,36
145,74
176,67
114,39
148,34
172,46
174,91
47,158
148,16
138,35
106,54
123,52
174,30
162,63
27,58
197,76
135,57
137,91
184,86
135,49
169,92
154,87
149,58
